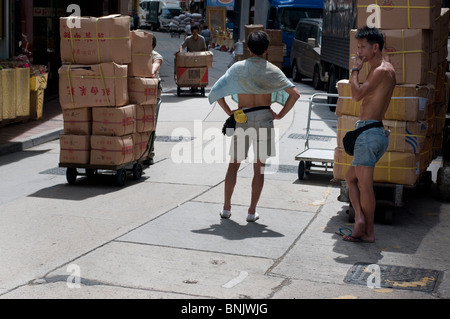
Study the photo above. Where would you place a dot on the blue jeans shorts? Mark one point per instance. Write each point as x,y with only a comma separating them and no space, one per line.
370,145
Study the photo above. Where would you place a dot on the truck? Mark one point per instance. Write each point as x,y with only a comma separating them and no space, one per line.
284,15
157,14
339,17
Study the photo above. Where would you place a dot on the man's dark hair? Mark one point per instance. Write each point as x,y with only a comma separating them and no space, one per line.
195,27
258,42
372,35
154,42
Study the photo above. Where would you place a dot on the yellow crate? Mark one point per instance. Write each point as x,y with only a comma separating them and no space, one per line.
38,82
8,93
22,92
36,104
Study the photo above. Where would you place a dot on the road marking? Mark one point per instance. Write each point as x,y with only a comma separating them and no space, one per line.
235,281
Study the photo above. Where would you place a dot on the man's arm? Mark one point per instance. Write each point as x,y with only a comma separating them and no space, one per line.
225,106
294,95
359,91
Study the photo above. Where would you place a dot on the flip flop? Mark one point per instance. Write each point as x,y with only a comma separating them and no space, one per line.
352,239
344,231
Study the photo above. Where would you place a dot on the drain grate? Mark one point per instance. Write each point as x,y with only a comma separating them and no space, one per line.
298,136
395,277
168,139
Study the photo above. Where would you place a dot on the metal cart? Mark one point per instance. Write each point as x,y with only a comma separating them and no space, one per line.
311,158
120,172
190,86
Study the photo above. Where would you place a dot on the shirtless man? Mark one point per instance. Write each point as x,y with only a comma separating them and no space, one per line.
263,142
375,93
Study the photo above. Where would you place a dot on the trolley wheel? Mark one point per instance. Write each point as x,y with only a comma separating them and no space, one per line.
121,177
301,170
90,172
202,90
137,171
308,167
71,175
178,91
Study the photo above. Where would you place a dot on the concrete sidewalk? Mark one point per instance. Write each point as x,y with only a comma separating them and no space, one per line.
166,240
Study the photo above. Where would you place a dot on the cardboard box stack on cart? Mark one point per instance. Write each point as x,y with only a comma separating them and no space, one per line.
102,110
416,43
192,68
275,51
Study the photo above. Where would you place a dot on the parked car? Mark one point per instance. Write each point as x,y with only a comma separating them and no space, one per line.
305,53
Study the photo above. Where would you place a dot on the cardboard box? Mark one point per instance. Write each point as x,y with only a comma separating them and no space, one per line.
141,145
145,118
192,76
36,104
249,28
276,36
141,54
194,59
98,40
78,121
393,167
143,91
399,14
440,29
408,52
111,150
118,121
275,53
102,84
409,102
74,149
405,136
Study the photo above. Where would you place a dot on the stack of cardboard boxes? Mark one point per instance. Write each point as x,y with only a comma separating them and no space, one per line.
192,68
108,110
416,43
275,51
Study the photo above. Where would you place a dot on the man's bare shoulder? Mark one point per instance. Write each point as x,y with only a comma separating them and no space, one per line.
385,69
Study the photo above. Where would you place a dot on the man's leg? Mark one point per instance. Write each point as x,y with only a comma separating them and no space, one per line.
257,185
355,197
367,199
230,183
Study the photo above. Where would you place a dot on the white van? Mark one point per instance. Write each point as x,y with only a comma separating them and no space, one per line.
305,52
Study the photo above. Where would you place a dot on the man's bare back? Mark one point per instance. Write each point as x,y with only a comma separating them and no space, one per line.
253,100
376,101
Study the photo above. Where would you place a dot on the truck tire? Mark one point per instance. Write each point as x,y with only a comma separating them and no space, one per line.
332,80
317,82
296,76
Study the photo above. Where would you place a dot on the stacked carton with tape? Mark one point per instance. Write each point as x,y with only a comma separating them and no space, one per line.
100,116
142,90
414,40
192,67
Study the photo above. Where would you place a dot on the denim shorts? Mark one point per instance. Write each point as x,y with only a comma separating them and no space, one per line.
370,145
258,132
